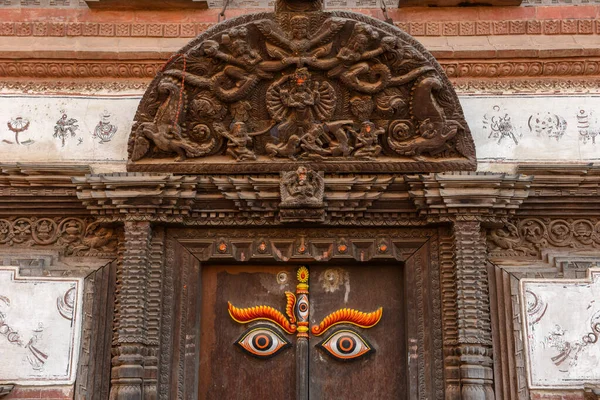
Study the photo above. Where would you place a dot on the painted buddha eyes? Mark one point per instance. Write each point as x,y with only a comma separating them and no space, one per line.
302,307
262,342
346,345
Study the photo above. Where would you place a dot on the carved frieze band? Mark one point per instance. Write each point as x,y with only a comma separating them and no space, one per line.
528,237
305,244
189,30
136,69
74,236
461,85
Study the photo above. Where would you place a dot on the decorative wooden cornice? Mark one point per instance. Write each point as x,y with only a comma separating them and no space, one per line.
40,189
482,196
149,194
567,192
570,190
196,199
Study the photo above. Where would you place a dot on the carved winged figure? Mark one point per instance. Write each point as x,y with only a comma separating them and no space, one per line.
299,46
510,239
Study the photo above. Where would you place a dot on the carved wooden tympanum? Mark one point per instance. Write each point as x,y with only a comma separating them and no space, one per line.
269,91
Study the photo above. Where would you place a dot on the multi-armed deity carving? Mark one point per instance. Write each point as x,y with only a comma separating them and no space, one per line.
271,88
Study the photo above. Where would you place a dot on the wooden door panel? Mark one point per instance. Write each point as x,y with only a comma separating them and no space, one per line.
226,371
380,375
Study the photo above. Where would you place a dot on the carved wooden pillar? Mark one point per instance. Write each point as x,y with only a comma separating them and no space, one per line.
449,312
130,342
474,342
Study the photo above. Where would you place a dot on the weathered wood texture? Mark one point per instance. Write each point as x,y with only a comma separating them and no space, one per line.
474,323
226,372
130,338
414,326
93,373
380,375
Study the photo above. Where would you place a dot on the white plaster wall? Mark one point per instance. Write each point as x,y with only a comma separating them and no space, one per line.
40,325
562,335
534,128
506,129
84,114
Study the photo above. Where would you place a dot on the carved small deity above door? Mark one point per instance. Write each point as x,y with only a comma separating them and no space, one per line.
265,92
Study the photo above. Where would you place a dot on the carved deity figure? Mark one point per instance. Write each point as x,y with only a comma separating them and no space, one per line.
302,187
239,140
340,146
297,102
366,141
298,46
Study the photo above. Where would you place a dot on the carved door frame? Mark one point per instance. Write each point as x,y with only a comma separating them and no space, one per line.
186,250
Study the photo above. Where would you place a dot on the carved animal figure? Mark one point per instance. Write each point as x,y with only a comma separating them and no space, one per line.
434,129
510,239
165,131
287,149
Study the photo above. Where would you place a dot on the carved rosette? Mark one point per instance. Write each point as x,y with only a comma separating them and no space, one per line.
269,91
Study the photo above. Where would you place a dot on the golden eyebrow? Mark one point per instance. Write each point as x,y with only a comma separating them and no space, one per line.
245,315
348,316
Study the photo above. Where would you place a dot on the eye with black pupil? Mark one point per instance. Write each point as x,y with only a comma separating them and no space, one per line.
303,307
262,341
346,345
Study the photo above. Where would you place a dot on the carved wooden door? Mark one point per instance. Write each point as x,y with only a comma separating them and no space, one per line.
321,332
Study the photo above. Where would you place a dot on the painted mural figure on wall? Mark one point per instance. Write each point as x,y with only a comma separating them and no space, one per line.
500,126
34,355
105,130
19,125
65,127
306,84
547,125
588,126
567,352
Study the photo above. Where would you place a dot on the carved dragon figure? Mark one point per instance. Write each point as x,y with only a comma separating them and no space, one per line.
434,129
165,131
